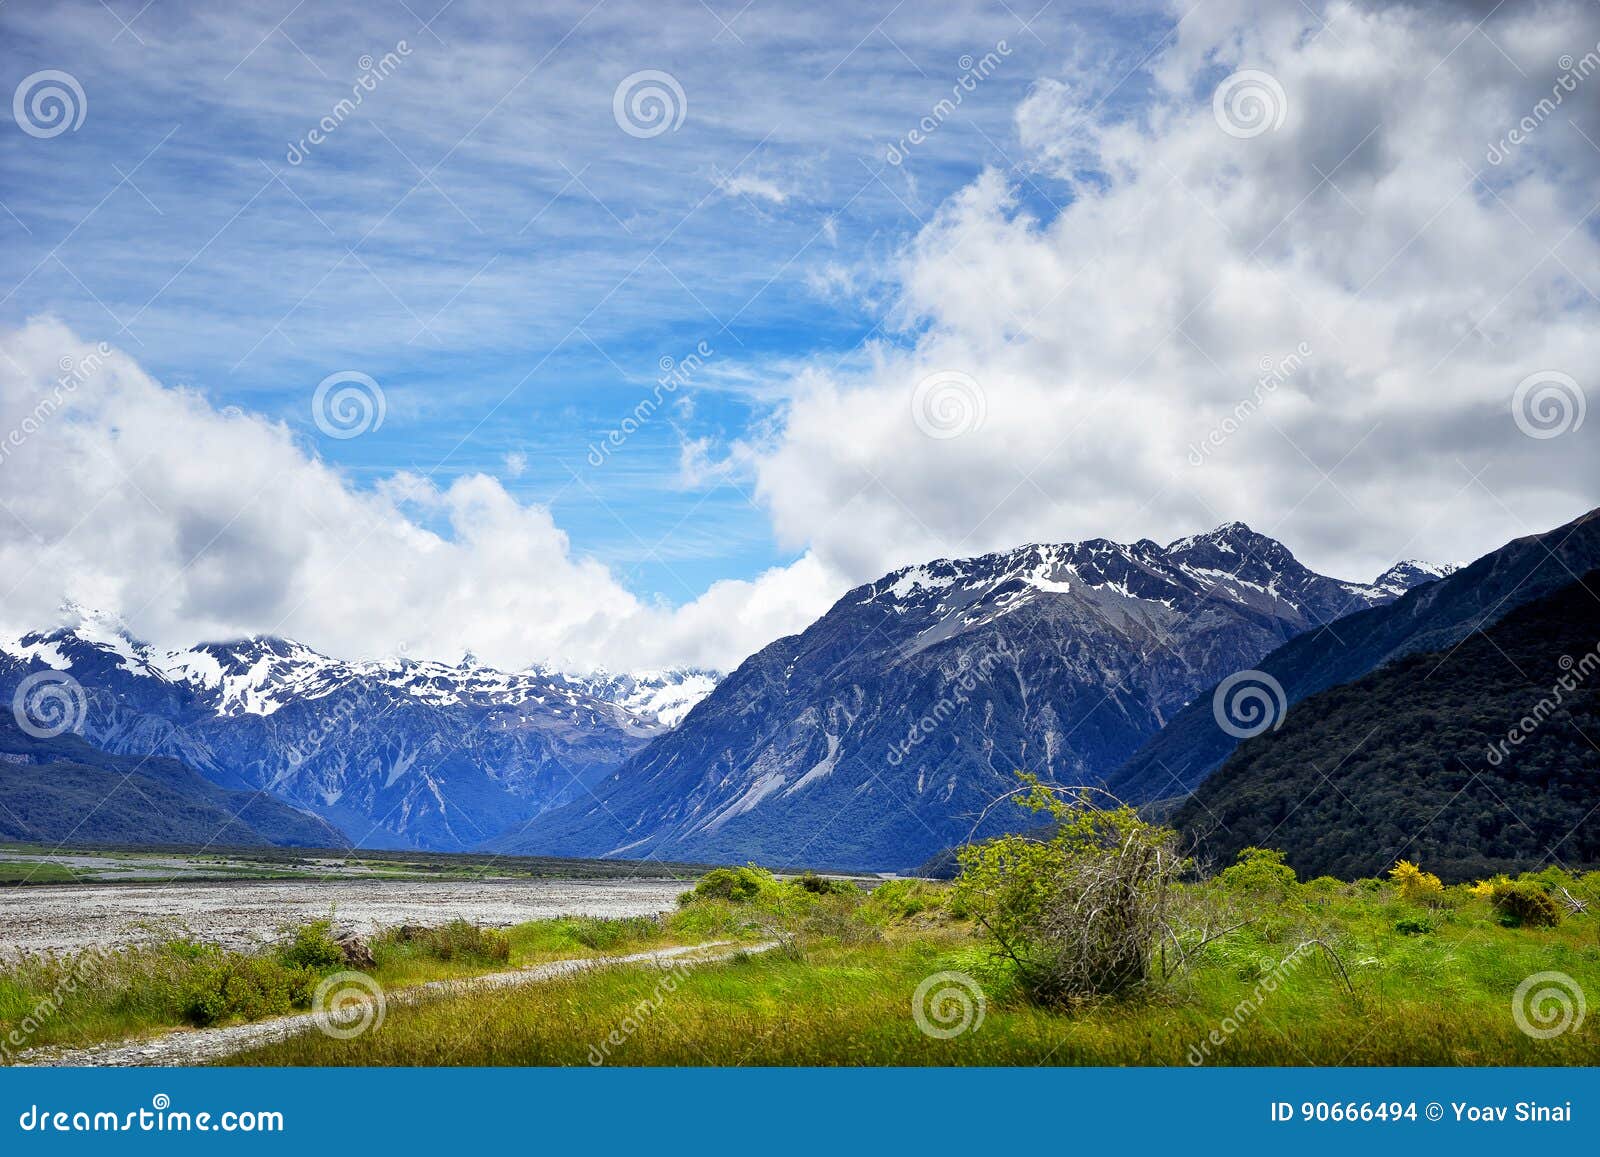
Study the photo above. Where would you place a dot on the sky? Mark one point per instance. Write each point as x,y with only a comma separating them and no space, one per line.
636,334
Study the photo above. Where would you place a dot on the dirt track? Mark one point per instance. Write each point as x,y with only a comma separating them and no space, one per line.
209,1045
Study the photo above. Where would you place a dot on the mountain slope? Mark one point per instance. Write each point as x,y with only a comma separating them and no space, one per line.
61,788
1435,616
396,753
879,734
1474,760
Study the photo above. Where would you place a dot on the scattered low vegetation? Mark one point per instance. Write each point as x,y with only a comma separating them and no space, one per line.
1089,941
174,981
1519,902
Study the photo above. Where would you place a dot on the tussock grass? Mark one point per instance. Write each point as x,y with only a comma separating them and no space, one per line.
840,992
1324,973
173,981
851,1004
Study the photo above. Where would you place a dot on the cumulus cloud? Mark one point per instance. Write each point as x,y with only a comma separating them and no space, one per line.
123,494
1156,318
1114,345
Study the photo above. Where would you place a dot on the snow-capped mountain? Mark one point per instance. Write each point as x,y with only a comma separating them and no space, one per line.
1412,572
393,752
667,696
879,735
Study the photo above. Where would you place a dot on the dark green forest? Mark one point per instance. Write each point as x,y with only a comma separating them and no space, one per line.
1417,760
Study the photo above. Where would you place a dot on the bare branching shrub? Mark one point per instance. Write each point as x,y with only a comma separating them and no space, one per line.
1084,912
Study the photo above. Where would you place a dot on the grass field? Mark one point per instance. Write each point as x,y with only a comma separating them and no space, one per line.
843,993
85,998
17,872
1324,973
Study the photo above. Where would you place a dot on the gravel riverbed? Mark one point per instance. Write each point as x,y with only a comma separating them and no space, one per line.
246,912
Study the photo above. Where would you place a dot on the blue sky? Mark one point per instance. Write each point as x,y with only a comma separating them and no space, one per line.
483,239
1163,266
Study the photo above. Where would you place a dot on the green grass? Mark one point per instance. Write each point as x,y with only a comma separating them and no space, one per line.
35,872
78,999
853,1005
841,989
1427,985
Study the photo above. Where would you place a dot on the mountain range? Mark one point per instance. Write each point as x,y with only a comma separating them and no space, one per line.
394,753
58,789
882,732
878,736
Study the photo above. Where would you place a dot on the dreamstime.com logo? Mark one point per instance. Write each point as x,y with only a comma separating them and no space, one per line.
348,1004
348,404
948,404
1575,673
1548,1004
970,675
1247,703
1573,73
675,374
1249,103
649,103
973,73
373,73
1244,1012
74,373
1273,375
49,103
49,703
159,1117
1548,404
328,723
50,1005
948,1004
641,1013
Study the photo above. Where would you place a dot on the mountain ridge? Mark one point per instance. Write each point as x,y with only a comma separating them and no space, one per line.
1058,657
396,752
1433,616
55,788
1472,761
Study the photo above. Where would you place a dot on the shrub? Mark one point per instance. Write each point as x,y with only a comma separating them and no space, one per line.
905,899
823,885
246,987
1260,872
709,918
738,885
1415,925
838,919
1519,902
313,947
1416,886
1079,913
182,949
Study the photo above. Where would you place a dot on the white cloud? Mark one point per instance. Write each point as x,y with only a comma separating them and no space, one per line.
123,494
1109,334
751,185
1111,337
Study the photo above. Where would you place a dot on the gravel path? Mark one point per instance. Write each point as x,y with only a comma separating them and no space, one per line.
244,913
208,1045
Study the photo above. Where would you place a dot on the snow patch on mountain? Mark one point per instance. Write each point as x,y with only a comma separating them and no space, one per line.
261,675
